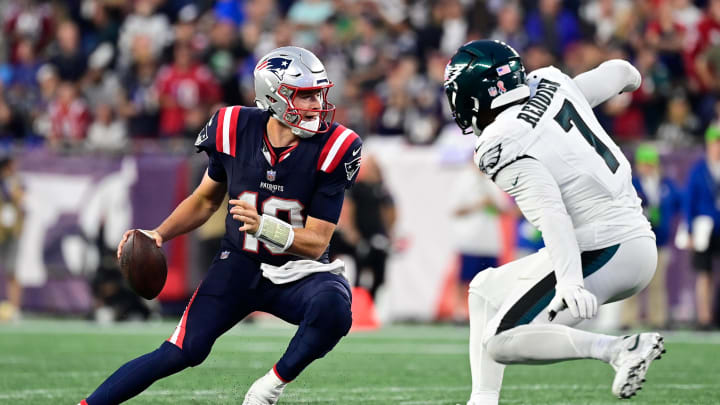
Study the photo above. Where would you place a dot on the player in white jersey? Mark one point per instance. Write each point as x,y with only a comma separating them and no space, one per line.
539,140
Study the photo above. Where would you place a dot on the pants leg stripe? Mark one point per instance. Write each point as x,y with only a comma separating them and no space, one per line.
540,295
178,336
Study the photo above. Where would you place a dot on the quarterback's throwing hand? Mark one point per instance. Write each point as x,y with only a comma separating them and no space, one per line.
246,213
580,302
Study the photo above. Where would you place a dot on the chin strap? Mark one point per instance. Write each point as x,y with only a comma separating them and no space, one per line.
275,232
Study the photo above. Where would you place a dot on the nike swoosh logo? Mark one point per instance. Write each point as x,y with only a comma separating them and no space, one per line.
355,152
637,341
515,182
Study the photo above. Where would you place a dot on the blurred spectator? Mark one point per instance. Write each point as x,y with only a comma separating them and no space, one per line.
605,15
667,37
680,125
454,28
143,22
101,85
686,13
23,92
139,100
68,58
101,26
223,56
187,90
307,15
702,210
106,133
27,19
661,202
69,116
509,28
366,225
11,125
553,26
11,224
476,206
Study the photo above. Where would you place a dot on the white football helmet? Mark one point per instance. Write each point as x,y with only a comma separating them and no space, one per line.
280,75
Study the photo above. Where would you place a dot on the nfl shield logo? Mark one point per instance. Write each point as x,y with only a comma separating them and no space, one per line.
270,175
224,255
492,91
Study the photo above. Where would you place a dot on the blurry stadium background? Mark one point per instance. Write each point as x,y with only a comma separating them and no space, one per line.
101,101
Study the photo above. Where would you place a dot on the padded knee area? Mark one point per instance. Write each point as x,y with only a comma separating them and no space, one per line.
330,312
496,347
195,350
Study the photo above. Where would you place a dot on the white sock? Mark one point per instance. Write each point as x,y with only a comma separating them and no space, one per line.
545,343
487,374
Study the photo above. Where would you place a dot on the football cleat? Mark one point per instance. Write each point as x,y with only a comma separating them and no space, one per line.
632,360
265,390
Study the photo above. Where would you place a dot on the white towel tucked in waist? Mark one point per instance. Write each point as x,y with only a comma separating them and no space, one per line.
296,269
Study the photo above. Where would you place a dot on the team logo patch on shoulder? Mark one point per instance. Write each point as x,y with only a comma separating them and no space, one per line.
277,65
490,159
202,136
352,167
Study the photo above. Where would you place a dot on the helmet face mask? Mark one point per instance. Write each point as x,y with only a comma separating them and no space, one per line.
286,72
294,116
480,78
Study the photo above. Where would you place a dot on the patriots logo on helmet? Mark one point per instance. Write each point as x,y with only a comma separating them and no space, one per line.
277,65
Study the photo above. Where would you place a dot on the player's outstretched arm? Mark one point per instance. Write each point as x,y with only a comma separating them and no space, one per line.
194,210
607,80
537,194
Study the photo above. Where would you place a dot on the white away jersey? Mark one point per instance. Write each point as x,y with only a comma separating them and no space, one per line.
558,128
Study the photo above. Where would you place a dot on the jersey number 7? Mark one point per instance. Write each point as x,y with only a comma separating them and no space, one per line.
568,116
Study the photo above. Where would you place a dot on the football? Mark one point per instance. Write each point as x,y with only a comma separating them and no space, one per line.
143,265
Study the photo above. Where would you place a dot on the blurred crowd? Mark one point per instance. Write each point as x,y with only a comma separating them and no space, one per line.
98,74
109,75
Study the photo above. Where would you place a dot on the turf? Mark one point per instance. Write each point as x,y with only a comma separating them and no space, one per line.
60,362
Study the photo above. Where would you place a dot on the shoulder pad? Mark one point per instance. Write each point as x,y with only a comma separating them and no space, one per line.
220,133
550,73
342,145
496,148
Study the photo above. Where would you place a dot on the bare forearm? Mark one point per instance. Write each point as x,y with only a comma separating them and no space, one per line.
190,214
308,244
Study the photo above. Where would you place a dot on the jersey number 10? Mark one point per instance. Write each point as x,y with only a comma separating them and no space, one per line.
568,116
271,206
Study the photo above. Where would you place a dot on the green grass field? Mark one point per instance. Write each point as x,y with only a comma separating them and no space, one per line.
60,362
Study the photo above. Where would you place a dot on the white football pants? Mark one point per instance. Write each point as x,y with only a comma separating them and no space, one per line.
509,321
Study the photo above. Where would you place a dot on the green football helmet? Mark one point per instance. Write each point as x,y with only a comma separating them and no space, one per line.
481,77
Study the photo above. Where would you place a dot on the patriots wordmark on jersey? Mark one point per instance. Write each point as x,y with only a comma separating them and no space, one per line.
308,178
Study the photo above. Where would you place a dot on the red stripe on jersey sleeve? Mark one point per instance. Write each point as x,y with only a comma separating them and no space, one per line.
233,128
341,152
219,129
328,145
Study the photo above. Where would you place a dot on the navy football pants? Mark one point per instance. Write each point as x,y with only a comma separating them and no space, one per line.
232,289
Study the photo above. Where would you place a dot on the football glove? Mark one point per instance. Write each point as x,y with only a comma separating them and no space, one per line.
581,302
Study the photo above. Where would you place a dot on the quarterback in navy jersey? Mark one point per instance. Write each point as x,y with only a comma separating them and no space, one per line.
285,165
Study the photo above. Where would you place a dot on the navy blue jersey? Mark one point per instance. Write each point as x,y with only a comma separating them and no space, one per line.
306,179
